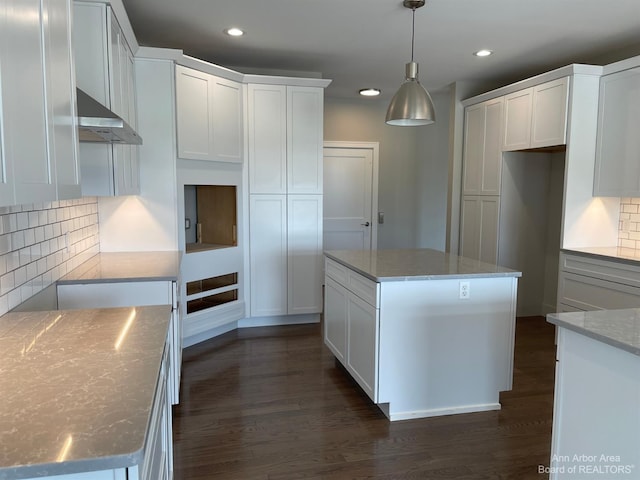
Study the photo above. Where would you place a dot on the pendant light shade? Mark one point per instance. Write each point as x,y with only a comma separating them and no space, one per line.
412,104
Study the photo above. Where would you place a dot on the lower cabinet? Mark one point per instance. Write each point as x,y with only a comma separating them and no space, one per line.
479,227
351,327
589,283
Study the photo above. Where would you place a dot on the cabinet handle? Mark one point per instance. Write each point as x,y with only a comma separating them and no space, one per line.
365,224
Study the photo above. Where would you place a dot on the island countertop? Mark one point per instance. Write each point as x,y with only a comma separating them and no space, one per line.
125,267
618,328
77,388
415,264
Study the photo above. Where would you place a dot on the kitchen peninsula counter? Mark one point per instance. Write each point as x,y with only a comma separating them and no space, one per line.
596,419
423,332
78,388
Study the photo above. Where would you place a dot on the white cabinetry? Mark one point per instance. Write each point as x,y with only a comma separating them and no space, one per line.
617,172
589,283
104,70
209,116
536,117
482,148
352,324
285,201
128,294
37,140
479,227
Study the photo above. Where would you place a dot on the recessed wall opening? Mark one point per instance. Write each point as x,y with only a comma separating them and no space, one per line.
210,213
211,292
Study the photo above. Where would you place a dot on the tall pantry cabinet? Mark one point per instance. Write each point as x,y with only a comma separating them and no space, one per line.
285,136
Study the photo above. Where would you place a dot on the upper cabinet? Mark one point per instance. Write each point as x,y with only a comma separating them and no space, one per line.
482,148
285,139
536,117
104,70
37,99
209,116
617,171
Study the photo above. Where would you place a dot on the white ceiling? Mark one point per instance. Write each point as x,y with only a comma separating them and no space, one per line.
367,42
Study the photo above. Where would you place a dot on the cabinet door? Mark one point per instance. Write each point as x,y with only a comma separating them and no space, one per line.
23,104
226,120
517,120
479,228
267,125
304,139
61,118
618,142
362,351
268,254
549,115
193,110
304,251
483,148
335,318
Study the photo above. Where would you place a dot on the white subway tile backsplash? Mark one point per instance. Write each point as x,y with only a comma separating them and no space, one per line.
629,229
33,245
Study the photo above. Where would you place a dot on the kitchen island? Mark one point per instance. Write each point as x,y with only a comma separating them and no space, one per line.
596,414
423,332
84,395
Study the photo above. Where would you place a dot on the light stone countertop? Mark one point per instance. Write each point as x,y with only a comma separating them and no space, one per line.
417,264
626,255
618,328
74,398
125,267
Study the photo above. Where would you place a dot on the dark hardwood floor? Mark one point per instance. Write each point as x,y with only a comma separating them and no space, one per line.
271,403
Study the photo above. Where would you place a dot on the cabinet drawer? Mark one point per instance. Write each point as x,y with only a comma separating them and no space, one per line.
605,270
361,286
588,293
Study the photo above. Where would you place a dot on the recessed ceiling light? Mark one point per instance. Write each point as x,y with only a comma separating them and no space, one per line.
234,32
483,53
370,92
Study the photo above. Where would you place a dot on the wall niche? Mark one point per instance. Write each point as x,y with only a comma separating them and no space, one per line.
210,217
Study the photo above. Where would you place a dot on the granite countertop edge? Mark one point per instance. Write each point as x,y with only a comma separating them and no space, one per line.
556,319
418,277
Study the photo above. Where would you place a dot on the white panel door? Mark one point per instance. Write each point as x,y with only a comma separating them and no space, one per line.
549,115
474,126
227,120
304,139
363,329
267,124
348,198
193,113
304,248
479,228
268,254
517,120
335,318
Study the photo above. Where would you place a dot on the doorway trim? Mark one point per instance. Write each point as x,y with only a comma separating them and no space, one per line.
374,147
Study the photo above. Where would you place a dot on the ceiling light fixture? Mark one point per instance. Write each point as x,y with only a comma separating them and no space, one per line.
234,32
412,104
483,53
370,92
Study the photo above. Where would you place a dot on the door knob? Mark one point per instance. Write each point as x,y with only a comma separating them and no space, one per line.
365,224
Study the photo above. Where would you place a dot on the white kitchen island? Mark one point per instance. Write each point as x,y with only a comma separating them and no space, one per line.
423,332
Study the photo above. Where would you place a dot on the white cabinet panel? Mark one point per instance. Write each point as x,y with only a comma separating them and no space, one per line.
617,171
335,318
209,116
483,148
362,352
479,228
267,125
549,115
304,253
304,139
268,254
517,120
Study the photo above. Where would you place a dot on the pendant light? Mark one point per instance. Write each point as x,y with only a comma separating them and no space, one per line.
412,104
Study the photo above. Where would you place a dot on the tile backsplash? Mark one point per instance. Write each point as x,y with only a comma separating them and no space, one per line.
42,242
629,229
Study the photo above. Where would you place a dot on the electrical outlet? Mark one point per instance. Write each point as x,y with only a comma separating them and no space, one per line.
464,290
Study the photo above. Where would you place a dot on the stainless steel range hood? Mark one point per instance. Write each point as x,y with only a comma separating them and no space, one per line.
98,124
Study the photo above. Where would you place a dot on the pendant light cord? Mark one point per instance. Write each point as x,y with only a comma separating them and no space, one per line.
413,30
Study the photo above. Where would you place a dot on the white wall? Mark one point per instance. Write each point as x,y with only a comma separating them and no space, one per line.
412,189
